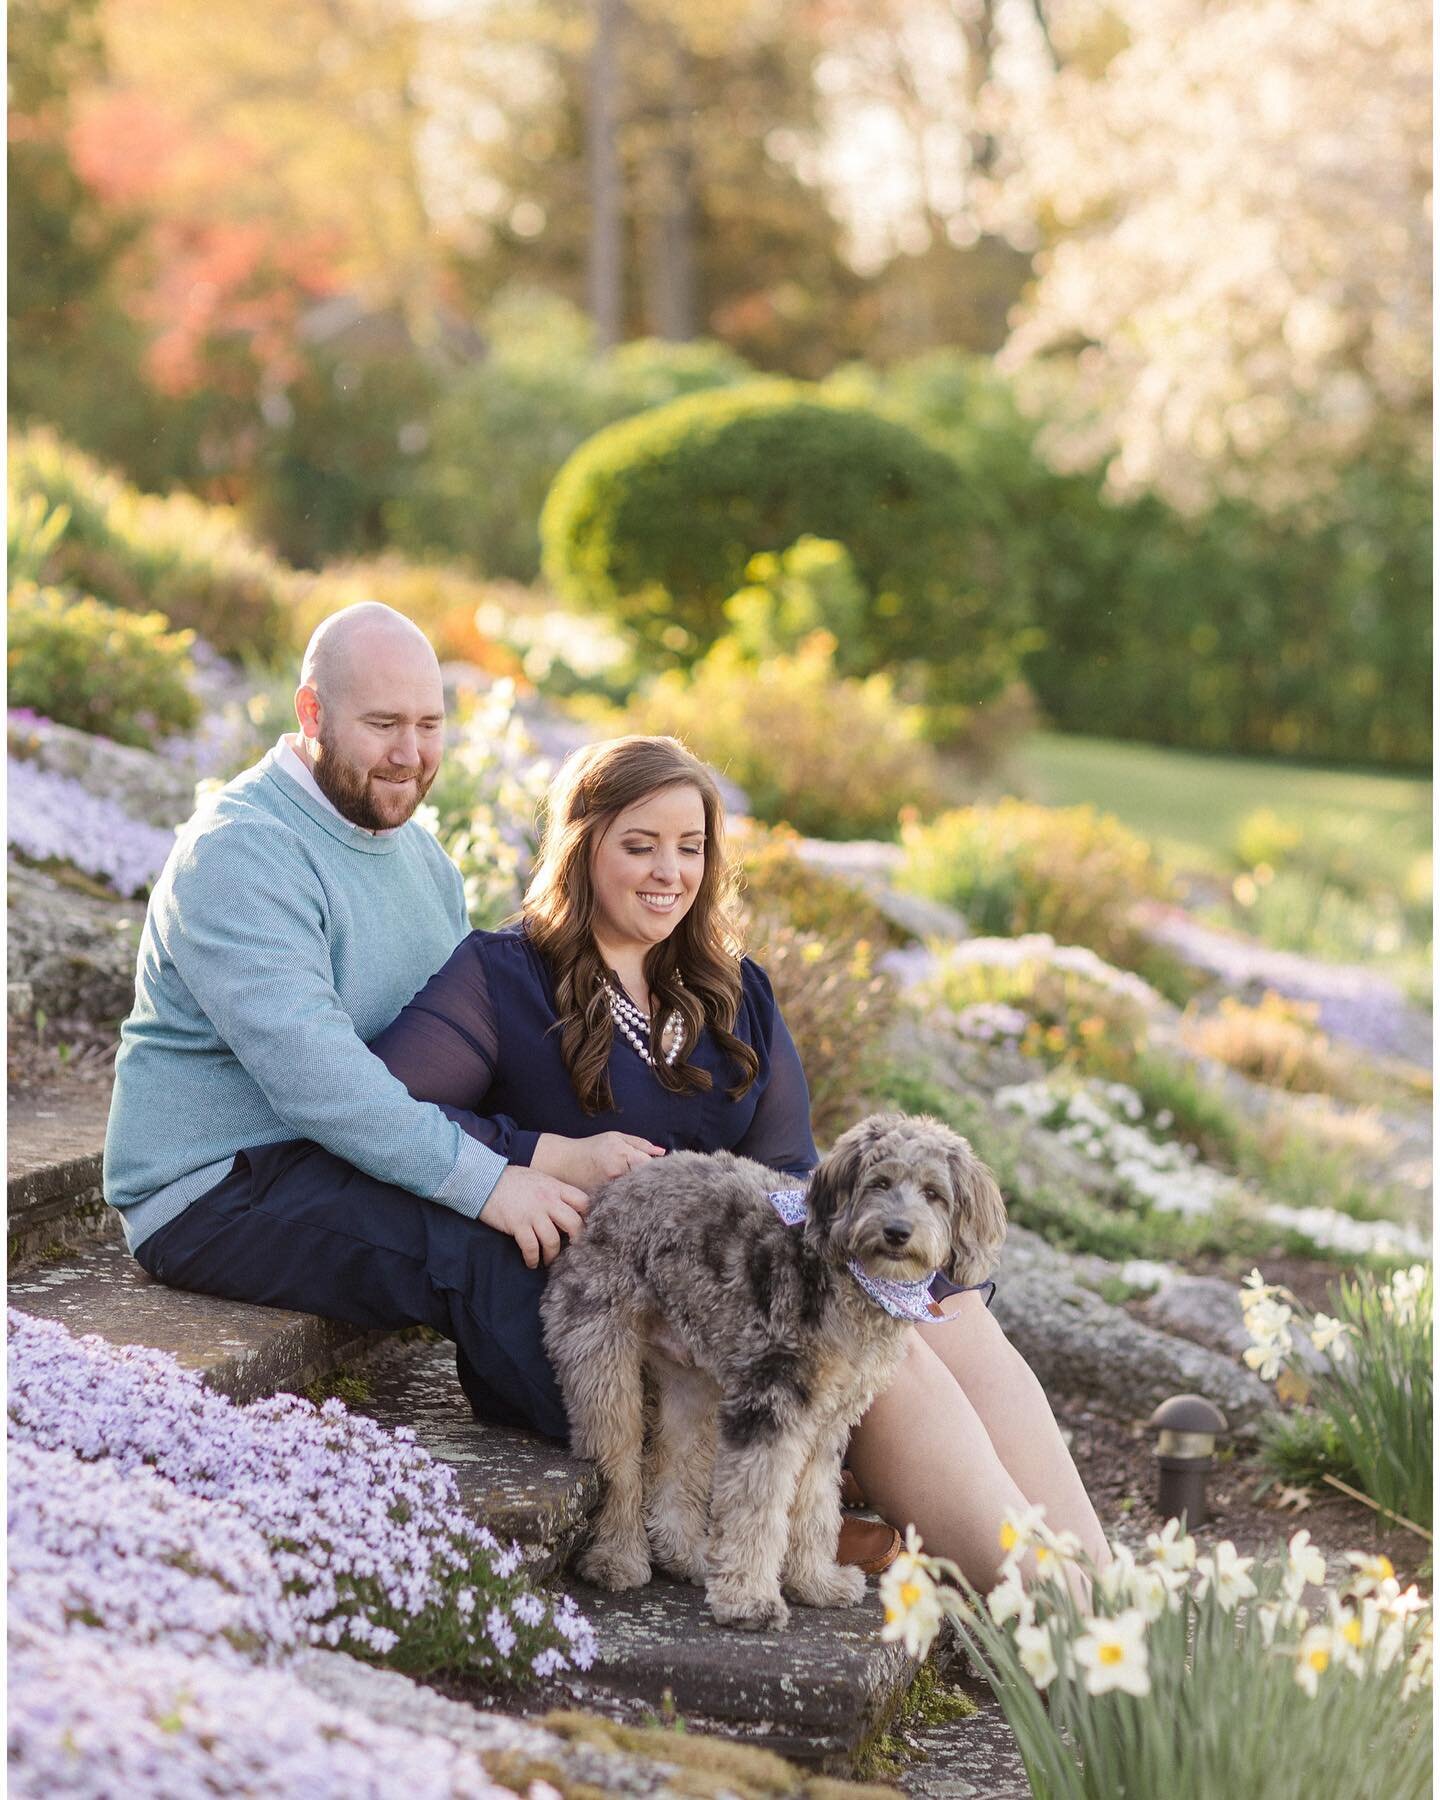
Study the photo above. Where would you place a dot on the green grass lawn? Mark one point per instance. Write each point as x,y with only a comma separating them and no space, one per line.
1351,882
1190,806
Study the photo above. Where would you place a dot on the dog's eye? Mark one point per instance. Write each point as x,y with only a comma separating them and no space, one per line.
934,1194
881,1184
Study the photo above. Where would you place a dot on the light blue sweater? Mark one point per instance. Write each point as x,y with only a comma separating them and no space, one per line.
278,939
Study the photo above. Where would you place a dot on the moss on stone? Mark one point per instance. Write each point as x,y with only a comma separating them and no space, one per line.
707,1767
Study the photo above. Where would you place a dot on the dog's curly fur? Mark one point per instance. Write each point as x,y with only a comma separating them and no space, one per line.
755,1338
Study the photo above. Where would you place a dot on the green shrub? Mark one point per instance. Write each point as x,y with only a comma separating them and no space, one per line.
834,757
1013,868
119,674
657,519
175,555
1303,634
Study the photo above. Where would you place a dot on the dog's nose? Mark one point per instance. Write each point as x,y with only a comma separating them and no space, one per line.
897,1232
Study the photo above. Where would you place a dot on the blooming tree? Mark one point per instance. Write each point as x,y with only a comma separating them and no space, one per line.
1233,214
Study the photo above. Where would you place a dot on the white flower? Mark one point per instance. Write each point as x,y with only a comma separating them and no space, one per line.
1371,1572
1403,1296
1146,1586
912,1605
1008,1600
1052,1550
1017,1531
1037,1654
1331,1336
1317,1651
1395,1605
1306,1566
1113,1654
1172,1547
1419,1670
1229,1574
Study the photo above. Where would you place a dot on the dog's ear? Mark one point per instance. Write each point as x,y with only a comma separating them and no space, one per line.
837,1174
978,1226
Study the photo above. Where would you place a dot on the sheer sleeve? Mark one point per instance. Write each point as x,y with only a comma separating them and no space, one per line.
779,1135
442,1046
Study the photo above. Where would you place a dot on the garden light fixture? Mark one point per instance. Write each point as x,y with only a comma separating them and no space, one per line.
1188,1425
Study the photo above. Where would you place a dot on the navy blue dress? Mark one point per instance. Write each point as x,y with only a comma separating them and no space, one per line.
480,1039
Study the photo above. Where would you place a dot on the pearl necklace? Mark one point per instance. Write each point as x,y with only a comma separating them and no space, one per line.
634,1027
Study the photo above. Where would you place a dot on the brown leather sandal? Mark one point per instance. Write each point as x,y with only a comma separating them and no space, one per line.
867,1544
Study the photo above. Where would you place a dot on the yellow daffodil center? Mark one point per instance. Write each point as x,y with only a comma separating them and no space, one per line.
909,1593
1351,1632
1319,1661
1112,1653
1041,1552
1009,1536
1384,1568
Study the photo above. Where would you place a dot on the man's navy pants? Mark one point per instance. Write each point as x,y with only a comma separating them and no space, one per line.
291,1225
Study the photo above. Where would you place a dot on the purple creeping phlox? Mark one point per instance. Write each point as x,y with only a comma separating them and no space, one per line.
363,1528
51,815
94,1549
88,1725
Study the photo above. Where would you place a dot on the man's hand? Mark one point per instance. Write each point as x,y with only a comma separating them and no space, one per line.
589,1162
535,1208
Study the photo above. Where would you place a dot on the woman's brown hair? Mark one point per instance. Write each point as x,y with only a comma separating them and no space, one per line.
695,971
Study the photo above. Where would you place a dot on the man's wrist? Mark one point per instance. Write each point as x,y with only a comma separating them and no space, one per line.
472,1180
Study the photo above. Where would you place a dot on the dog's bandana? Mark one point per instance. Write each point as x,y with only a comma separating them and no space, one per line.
914,1300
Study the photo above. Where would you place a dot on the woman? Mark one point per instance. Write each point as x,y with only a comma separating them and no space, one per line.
618,1021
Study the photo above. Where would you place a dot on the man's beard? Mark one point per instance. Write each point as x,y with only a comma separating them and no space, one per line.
348,788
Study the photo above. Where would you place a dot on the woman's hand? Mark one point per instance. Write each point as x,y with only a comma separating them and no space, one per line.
534,1208
589,1162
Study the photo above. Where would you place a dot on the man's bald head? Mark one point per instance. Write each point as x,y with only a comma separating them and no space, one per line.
371,707
366,637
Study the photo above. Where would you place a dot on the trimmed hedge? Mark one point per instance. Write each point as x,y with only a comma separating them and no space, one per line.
655,521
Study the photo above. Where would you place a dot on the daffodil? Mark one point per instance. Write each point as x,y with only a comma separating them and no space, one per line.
1037,1654
1419,1671
1052,1550
1228,1573
912,1605
1306,1566
1112,1653
1371,1572
1331,1336
1009,1600
1317,1651
1173,1549
1017,1531
1395,1605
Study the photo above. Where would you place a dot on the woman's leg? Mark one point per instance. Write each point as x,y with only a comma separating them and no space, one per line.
1011,1405
923,1456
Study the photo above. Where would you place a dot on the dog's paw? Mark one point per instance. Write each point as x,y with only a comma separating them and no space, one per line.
747,1612
613,1566
833,1586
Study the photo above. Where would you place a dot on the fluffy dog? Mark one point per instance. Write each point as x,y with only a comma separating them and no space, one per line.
758,1343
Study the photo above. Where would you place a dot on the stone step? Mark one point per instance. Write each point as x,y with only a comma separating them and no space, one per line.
815,1692
54,1138
522,1486
244,1351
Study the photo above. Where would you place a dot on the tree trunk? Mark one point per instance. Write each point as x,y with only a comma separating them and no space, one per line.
606,272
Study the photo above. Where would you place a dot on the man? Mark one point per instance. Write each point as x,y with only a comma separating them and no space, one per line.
256,1149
